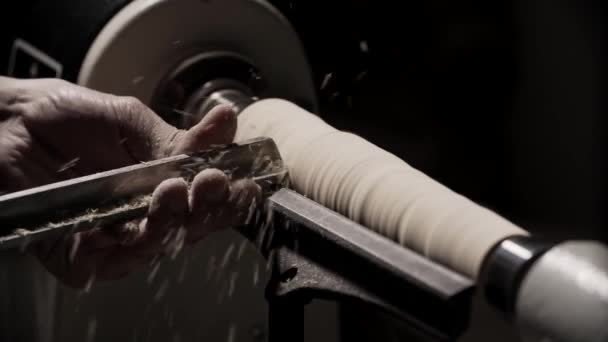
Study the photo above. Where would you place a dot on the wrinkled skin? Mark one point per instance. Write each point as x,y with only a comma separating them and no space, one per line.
51,130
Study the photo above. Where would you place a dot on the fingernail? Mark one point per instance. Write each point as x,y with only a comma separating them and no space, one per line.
247,192
210,186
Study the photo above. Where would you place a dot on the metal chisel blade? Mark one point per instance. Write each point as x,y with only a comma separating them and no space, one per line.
38,207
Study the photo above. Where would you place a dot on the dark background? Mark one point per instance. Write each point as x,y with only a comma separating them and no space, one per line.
501,100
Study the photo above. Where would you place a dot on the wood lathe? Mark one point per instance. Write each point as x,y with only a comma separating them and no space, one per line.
354,222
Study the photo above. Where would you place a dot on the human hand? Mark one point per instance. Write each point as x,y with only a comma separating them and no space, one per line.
51,130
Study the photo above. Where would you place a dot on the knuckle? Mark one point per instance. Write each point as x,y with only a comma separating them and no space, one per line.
17,102
29,111
58,83
130,104
130,110
14,109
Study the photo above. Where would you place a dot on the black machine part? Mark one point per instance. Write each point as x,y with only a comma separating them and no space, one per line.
505,267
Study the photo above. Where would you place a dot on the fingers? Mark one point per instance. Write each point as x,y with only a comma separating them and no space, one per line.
229,207
209,187
245,196
9,91
176,216
168,210
147,136
216,128
213,203
141,132
209,193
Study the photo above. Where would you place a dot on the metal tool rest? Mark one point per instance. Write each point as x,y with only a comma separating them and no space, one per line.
318,254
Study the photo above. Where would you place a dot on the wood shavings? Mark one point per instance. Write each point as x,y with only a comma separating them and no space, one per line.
326,80
125,211
21,232
363,46
91,215
137,79
68,165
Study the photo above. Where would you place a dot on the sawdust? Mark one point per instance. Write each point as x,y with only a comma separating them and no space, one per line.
211,267
227,256
232,283
21,232
326,80
177,243
153,273
162,290
182,272
184,113
70,164
242,249
363,46
256,274
137,79
90,215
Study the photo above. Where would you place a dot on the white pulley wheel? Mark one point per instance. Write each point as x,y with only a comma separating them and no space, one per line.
148,39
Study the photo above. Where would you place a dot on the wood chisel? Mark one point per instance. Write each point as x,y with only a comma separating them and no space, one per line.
123,194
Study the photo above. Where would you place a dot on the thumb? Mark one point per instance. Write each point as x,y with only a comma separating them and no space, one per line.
218,127
146,136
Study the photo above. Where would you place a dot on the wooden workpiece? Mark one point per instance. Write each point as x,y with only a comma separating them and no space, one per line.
376,188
